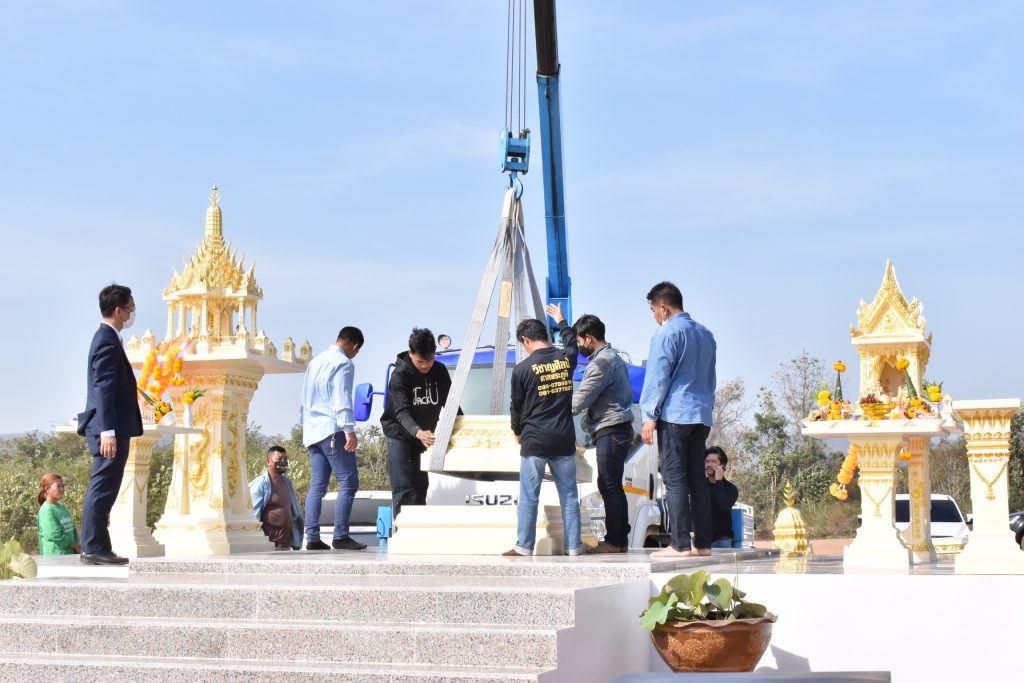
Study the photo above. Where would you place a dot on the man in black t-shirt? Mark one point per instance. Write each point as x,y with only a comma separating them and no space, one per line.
723,496
541,411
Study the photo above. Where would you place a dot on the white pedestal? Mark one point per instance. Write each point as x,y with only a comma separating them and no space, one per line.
991,547
463,530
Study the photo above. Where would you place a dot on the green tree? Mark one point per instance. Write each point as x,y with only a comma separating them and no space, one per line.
1015,470
772,450
23,462
797,382
729,417
161,468
949,471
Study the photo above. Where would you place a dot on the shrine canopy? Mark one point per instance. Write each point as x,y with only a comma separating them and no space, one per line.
212,303
888,329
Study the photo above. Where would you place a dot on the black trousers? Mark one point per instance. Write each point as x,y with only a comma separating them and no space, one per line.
681,449
612,450
104,483
408,481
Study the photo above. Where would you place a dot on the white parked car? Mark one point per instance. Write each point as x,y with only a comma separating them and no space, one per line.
949,527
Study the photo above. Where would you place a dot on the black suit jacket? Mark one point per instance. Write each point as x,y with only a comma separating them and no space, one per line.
112,401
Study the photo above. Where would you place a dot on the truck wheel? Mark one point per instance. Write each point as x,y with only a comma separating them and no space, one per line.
653,539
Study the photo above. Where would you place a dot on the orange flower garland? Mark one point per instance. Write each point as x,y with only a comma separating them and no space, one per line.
845,476
162,368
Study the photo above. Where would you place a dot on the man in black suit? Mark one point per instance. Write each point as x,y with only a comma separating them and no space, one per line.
110,420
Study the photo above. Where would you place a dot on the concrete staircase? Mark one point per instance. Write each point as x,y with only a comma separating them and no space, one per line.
331,616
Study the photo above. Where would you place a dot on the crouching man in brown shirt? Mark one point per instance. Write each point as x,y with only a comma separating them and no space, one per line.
275,504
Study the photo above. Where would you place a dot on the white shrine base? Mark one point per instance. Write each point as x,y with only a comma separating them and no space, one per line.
191,535
133,542
449,530
871,555
996,553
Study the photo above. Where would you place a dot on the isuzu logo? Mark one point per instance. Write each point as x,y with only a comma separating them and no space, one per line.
492,499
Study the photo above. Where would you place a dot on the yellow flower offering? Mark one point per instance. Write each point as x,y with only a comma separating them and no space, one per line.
902,364
192,394
824,397
839,366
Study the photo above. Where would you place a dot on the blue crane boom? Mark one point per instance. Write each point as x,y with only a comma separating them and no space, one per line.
515,154
559,284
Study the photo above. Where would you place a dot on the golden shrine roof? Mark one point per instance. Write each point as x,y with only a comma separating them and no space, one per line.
213,267
889,313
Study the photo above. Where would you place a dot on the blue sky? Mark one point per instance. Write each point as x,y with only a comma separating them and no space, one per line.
767,157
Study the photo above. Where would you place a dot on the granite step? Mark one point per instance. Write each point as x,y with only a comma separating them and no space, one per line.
625,566
101,669
364,643
330,598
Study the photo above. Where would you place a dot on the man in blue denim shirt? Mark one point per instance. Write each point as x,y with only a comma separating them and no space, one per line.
329,432
677,401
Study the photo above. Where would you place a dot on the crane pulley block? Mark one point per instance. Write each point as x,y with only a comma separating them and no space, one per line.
515,151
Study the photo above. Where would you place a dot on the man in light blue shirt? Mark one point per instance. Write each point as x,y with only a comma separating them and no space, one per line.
677,401
329,432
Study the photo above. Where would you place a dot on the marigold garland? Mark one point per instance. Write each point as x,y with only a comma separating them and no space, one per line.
161,369
845,476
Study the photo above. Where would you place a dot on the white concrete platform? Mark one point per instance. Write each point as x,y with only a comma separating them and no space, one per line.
487,618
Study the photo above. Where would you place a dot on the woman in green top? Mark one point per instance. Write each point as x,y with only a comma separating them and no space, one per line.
57,533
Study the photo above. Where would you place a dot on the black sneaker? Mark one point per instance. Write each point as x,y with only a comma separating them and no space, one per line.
347,543
317,545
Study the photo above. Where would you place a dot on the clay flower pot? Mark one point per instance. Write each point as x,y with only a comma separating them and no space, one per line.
721,645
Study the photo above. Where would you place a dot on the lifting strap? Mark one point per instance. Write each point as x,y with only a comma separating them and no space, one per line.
518,289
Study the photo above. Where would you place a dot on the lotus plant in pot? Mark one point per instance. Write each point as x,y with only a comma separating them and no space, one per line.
697,625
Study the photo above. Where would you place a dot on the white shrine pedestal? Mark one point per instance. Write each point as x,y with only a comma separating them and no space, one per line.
877,544
991,547
130,536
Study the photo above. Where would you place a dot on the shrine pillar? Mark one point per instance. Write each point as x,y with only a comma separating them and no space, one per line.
991,548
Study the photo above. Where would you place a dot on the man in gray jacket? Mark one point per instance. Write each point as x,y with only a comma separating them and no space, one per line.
607,398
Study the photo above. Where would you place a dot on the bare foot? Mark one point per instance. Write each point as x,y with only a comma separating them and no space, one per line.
700,552
670,552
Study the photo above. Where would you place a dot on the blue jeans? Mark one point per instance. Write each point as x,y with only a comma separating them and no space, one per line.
724,543
325,457
612,450
531,474
681,449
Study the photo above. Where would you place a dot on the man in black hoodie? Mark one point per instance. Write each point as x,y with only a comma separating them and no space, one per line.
417,391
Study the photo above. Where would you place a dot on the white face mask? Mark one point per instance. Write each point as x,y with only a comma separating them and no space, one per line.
129,322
